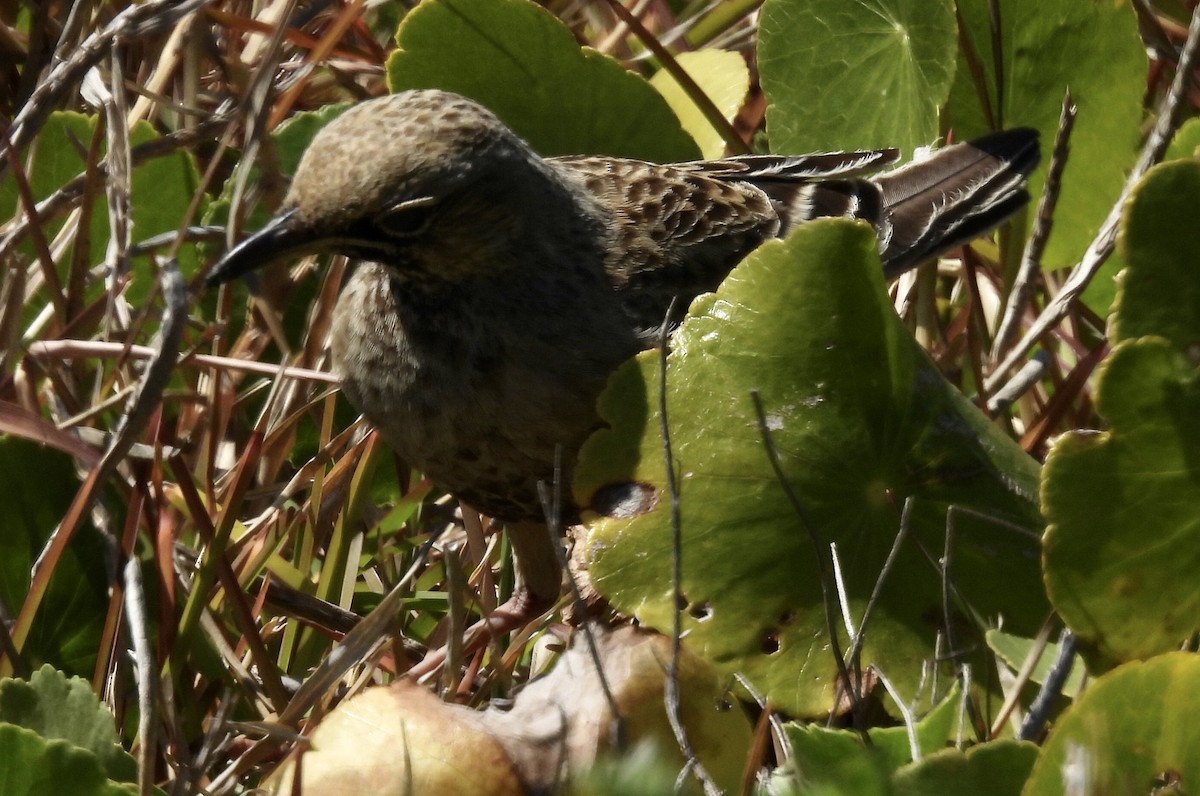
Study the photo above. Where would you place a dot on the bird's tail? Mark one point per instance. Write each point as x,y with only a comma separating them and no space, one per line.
957,194
924,208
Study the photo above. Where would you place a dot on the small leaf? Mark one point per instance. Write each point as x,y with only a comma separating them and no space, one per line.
57,707
35,766
890,747
1186,143
1159,241
723,77
1015,649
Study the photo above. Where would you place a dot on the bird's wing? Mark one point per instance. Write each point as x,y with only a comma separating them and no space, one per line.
815,166
675,231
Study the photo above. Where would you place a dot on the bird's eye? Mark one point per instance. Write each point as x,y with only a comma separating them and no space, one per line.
406,219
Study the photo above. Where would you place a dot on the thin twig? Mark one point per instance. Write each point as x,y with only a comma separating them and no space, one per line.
135,21
1039,711
552,507
712,114
128,427
818,546
947,585
1035,247
1022,676
1021,382
671,696
147,673
906,714
1102,245
82,349
72,191
901,534
357,644
256,119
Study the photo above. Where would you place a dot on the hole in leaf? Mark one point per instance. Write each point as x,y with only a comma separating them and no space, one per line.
624,500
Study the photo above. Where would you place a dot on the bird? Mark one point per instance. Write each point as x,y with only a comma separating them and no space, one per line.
496,290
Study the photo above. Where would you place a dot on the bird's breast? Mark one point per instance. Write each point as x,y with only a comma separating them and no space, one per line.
474,391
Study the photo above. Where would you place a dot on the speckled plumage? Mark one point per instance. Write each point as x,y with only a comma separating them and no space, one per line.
498,290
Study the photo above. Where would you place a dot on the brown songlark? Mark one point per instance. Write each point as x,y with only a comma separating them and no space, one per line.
496,290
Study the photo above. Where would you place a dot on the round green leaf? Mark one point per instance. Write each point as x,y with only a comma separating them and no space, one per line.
1046,47
1133,731
1123,544
862,422
525,65
866,74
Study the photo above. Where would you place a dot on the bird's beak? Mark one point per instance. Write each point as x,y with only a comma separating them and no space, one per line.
280,238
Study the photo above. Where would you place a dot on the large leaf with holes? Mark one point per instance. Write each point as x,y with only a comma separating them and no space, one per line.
862,422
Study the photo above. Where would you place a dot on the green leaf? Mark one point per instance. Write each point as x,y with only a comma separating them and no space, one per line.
1186,143
997,768
1048,46
831,763
525,65
1133,731
1123,542
1015,649
723,77
35,766
814,746
862,422
36,496
161,190
57,707
866,74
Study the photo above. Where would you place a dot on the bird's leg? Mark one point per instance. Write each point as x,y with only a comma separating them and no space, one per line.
538,570
539,583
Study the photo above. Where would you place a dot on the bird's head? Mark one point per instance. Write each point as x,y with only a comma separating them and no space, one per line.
427,182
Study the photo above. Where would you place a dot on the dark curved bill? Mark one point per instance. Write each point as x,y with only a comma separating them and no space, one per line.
278,239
